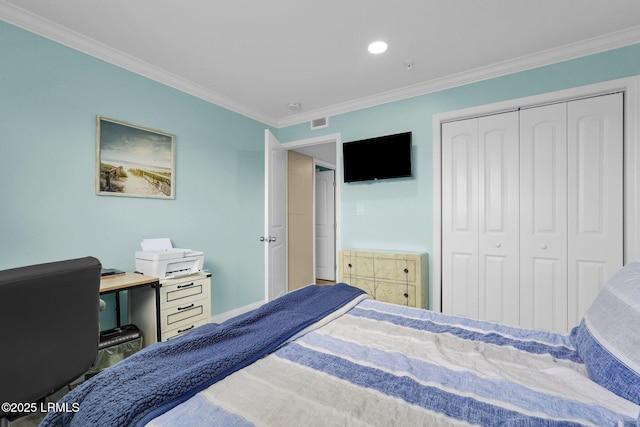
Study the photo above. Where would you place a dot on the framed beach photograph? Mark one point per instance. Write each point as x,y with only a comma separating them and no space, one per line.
134,161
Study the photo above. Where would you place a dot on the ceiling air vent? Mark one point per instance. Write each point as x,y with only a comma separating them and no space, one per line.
319,123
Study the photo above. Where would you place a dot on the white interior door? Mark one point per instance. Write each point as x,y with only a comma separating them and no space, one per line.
460,218
543,217
325,225
498,217
275,238
595,182
480,264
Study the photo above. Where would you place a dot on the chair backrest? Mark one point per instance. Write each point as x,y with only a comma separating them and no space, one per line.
48,326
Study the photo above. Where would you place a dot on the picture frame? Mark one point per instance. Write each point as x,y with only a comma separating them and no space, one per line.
133,160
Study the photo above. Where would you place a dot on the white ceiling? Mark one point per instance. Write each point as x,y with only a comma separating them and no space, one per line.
256,56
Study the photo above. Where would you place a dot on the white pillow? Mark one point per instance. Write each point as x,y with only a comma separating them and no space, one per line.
608,337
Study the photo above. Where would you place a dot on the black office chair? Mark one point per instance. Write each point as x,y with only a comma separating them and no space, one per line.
48,328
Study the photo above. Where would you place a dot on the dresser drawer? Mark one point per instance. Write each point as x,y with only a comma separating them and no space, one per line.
189,326
392,292
357,264
395,293
181,292
397,268
180,315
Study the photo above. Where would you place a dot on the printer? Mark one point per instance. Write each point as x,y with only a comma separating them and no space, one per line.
160,259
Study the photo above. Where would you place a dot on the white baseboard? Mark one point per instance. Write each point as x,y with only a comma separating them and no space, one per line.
219,318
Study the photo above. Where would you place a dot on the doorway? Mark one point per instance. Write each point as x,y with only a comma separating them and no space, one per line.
325,239
326,150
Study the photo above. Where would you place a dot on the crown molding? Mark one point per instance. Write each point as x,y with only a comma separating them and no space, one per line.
57,33
566,52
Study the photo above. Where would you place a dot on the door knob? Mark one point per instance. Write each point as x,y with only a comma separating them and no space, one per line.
268,239
498,244
543,246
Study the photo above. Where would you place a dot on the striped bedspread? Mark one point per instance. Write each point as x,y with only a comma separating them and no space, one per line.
388,365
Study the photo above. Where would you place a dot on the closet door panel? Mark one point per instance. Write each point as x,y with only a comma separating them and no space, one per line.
498,208
543,217
595,180
460,217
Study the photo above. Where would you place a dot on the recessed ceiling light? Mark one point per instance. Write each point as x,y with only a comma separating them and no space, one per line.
377,47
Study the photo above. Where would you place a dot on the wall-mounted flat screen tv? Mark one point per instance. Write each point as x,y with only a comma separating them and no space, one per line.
382,157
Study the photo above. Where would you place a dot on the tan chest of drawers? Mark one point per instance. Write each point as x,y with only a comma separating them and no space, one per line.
183,304
398,278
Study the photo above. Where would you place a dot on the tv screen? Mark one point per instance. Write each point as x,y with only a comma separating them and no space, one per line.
377,158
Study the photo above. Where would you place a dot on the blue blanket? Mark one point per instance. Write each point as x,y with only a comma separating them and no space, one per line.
161,376
388,365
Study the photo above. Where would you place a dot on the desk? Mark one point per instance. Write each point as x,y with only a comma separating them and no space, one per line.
127,281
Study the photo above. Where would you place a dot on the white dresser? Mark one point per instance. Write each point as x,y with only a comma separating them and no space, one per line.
181,305
398,278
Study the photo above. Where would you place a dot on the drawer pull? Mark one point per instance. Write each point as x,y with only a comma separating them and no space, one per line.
406,270
186,329
184,308
349,265
185,286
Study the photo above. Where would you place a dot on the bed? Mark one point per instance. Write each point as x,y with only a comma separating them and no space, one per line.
332,356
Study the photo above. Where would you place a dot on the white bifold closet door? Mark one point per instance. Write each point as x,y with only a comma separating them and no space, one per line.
460,254
532,212
544,217
480,186
595,200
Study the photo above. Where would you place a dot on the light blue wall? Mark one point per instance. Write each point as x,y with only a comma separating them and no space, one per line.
398,214
49,98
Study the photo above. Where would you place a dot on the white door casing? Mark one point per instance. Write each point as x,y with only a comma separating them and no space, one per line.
325,225
275,238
